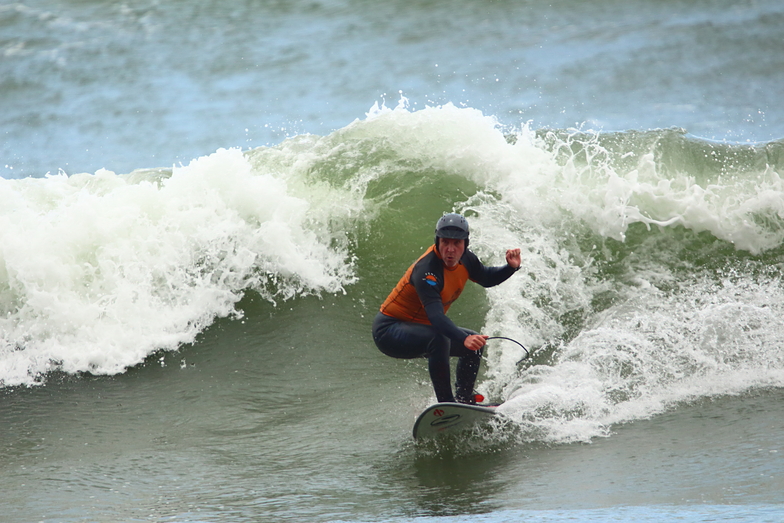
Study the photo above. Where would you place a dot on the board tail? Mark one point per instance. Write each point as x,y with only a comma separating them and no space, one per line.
449,418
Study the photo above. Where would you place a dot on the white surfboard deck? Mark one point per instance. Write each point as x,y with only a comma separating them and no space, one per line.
449,418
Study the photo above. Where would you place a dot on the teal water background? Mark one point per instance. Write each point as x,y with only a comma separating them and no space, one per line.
203,205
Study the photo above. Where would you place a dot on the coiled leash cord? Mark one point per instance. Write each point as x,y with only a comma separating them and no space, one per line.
527,354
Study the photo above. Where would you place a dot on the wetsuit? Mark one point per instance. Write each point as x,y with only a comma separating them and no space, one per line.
412,322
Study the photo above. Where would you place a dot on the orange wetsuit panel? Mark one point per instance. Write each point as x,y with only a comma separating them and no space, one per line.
434,281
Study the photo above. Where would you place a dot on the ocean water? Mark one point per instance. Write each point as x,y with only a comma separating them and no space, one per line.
203,204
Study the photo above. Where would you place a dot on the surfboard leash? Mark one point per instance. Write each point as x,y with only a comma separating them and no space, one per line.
527,354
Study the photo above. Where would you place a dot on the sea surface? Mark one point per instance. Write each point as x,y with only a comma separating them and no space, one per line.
203,203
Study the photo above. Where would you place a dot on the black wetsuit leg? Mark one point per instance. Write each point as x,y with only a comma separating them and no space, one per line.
466,373
407,340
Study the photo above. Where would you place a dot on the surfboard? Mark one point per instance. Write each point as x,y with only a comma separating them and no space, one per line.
449,418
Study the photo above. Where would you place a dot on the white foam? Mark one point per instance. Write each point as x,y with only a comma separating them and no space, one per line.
649,353
650,350
653,349
97,272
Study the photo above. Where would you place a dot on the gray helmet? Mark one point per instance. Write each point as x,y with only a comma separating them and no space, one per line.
453,226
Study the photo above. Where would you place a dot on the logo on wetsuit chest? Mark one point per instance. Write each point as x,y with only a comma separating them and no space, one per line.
431,279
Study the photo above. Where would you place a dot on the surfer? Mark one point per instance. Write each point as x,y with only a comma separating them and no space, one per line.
412,321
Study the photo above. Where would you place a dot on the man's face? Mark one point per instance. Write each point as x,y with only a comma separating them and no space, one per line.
451,251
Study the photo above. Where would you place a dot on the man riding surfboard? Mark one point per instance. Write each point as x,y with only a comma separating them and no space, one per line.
412,321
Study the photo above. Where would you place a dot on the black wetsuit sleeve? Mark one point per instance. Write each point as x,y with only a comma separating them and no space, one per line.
483,275
430,296
442,323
